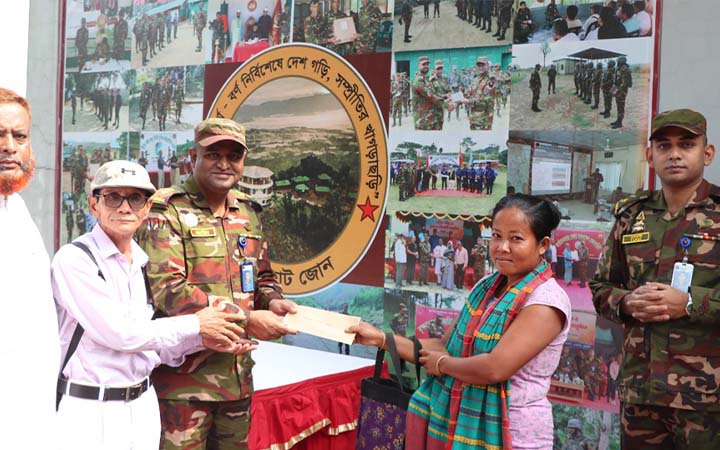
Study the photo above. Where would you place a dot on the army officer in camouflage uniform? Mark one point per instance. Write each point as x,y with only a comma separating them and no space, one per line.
659,276
205,242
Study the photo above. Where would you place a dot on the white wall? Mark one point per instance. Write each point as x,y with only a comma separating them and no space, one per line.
14,21
690,63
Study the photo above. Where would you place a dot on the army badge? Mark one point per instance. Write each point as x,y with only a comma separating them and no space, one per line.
638,233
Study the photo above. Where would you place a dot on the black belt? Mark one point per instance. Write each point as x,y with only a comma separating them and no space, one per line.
125,394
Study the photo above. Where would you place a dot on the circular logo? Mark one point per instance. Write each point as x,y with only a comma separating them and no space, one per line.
318,160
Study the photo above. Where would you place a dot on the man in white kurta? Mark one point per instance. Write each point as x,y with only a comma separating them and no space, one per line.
29,347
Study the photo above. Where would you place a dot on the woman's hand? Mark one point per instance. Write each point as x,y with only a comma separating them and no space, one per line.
367,334
430,358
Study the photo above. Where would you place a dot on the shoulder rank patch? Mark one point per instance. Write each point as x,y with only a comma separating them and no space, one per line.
624,204
161,197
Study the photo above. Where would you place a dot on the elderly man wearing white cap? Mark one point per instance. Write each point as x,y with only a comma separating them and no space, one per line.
110,343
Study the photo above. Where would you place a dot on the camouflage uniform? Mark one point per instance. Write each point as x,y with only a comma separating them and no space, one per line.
405,92
315,30
79,173
479,253
81,41
504,17
577,76
623,82
670,369
590,372
425,103
218,40
577,442
535,86
369,18
607,84
588,80
435,329
440,85
481,93
120,34
425,258
399,323
596,84
397,101
195,257
178,98
344,48
199,25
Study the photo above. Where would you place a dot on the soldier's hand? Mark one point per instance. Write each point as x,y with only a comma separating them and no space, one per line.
266,325
673,299
366,334
282,307
221,326
644,304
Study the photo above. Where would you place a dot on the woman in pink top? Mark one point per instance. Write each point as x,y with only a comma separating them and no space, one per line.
491,372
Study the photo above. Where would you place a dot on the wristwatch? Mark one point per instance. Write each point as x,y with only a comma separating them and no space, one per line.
689,305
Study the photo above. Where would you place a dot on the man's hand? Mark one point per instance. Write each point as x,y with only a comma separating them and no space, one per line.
367,334
220,327
266,325
282,307
655,302
238,348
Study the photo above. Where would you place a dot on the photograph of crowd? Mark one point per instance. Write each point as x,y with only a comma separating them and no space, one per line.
237,30
96,101
456,90
166,98
97,38
447,172
433,255
581,85
346,27
453,23
584,20
168,34
585,173
82,155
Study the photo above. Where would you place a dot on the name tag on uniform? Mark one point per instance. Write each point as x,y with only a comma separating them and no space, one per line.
682,276
636,238
202,232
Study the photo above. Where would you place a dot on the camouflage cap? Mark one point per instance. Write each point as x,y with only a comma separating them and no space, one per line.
213,130
423,59
439,63
121,173
481,59
687,119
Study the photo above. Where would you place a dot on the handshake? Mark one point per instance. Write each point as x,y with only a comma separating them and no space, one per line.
225,327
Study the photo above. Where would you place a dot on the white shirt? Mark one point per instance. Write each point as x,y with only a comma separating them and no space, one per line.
29,346
645,21
570,37
121,345
400,253
586,26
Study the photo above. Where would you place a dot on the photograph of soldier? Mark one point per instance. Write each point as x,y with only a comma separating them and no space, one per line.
472,95
454,23
580,428
96,101
314,23
166,99
445,262
618,69
586,172
98,40
444,172
344,298
586,20
169,36
303,169
432,322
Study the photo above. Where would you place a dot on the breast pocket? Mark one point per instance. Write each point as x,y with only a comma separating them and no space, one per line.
641,259
205,257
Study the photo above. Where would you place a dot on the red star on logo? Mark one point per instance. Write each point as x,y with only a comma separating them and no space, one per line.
368,210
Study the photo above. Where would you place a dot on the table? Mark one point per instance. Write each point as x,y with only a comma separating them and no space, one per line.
305,399
242,53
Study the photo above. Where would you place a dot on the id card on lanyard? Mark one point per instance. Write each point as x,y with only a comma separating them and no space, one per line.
247,269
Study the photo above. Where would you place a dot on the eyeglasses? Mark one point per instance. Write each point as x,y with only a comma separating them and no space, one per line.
114,200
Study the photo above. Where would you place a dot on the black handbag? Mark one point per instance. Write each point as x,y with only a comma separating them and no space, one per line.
384,403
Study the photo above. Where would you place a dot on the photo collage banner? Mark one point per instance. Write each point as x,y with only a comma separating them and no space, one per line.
380,128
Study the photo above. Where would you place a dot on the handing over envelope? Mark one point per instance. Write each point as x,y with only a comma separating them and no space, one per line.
325,324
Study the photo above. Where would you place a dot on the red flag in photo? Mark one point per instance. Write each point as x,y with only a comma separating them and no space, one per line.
276,23
460,158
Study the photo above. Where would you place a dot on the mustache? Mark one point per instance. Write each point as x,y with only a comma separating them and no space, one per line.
10,184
